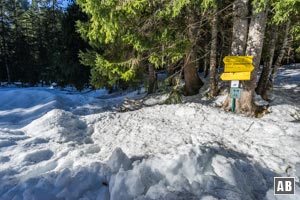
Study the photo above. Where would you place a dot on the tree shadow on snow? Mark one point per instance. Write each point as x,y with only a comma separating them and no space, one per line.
204,172
221,173
290,96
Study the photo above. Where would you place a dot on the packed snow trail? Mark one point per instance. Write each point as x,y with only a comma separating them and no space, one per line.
60,145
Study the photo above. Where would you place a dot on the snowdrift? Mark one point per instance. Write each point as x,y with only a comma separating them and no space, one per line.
60,145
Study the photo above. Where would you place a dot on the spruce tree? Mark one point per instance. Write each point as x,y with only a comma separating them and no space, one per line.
127,34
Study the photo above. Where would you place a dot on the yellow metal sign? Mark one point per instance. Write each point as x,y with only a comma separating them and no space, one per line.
238,67
238,59
243,76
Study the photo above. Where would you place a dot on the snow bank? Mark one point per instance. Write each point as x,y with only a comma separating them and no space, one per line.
17,106
215,172
60,126
201,172
20,106
65,145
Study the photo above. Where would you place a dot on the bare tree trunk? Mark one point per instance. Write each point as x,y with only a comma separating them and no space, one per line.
213,54
288,55
254,48
221,48
7,67
191,78
263,80
4,45
239,35
151,79
240,27
206,61
170,69
281,53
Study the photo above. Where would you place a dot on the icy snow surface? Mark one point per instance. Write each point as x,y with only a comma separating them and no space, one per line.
65,145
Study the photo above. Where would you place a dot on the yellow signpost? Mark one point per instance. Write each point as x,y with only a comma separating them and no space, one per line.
237,68
243,76
238,59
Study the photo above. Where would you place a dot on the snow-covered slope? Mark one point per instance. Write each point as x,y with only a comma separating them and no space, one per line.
60,145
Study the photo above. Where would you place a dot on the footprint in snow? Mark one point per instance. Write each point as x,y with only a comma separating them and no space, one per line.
4,159
34,142
38,156
7,143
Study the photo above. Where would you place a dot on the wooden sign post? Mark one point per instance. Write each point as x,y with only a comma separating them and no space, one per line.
237,68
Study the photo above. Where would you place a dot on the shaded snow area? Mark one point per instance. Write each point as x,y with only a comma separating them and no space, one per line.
286,99
65,145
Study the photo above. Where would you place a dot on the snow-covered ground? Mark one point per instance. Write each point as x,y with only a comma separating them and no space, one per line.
65,145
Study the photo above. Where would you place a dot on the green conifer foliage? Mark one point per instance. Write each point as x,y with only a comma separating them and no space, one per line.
127,34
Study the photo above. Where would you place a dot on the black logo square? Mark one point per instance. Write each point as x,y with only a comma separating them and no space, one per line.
284,185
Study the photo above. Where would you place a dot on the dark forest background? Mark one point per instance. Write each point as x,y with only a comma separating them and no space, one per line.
39,43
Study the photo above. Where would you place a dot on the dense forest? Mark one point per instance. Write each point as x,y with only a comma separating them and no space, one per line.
39,43
127,43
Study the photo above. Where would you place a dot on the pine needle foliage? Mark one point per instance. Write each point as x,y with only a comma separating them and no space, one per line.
128,34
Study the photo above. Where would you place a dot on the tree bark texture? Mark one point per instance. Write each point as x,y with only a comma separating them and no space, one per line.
240,27
151,79
192,81
239,35
263,80
255,42
5,46
213,55
281,53
206,61
191,78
